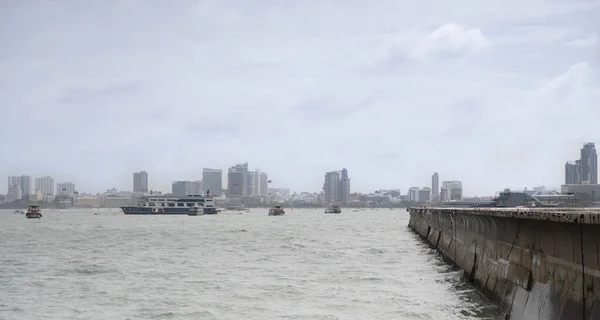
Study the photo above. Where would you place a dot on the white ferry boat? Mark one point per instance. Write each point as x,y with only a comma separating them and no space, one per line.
173,205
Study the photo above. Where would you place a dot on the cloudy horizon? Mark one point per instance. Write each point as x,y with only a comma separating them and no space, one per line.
495,95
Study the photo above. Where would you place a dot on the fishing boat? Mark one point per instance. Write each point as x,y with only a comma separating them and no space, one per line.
34,212
333,209
276,211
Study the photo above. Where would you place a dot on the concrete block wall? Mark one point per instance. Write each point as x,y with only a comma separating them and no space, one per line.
531,264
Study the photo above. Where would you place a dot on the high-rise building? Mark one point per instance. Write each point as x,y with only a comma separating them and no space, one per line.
588,165
237,185
572,172
14,181
26,187
331,186
451,191
14,193
336,188
344,188
584,170
45,185
24,183
253,183
213,181
65,188
263,185
425,195
185,188
140,181
435,187
413,194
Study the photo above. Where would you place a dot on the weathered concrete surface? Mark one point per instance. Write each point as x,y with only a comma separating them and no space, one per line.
529,260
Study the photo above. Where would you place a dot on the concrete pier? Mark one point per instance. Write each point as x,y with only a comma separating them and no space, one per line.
537,263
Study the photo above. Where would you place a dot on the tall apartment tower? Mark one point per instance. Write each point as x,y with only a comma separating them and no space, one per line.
572,172
212,181
435,187
237,180
344,188
45,185
140,181
588,165
331,186
65,188
263,185
584,170
26,186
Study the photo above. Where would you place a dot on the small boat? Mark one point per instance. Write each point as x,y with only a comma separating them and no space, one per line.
19,211
276,211
34,212
195,211
333,209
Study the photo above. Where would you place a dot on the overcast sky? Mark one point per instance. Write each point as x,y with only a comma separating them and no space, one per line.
492,93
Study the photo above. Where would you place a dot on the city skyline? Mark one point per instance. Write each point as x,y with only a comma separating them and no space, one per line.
392,92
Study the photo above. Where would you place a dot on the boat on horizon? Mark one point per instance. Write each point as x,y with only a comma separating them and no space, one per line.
172,205
333,209
34,212
276,211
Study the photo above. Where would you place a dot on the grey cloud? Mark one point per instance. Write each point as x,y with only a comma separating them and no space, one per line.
84,94
314,85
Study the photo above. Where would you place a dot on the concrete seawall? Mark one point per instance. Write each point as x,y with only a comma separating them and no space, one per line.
537,263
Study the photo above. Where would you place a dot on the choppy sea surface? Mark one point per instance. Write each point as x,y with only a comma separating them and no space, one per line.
90,264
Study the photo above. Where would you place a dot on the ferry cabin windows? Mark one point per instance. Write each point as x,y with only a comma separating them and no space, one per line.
170,204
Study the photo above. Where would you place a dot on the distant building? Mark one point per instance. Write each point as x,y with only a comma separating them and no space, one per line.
263,186
45,185
588,166
331,186
344,188
14,193
237,185
86,202
65,188
24,183
451,191
283,192
252,184
591,190
212,180
435,187
37,196
572,172
584,170
14,181
140,181
184,188
115,201
413,194
425,195
336,188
